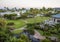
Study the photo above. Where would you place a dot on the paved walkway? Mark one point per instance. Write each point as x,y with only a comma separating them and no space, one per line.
38,35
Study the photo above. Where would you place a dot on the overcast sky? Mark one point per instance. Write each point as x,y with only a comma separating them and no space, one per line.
29,3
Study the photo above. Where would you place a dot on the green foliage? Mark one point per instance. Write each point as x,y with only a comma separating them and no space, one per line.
2,10
46,40
5,33
10,23
24,38
7,36
17,23
24,16
30,28
2,23
10,16
23,8
51,31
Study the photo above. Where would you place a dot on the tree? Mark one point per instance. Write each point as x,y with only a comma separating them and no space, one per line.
24,15
43,8
1,10
2,23
6,16
31,9
10,16
46,40
30,28
7,36
3,31
23,8
57,26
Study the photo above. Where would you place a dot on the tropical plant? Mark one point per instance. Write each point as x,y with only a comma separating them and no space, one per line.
30,28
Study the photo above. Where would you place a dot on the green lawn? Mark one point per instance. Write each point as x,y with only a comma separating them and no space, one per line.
17,31
21,23
36,19
18,23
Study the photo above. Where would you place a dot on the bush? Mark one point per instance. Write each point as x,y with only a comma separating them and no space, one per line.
30,28
18,17
10,16
31,31
6,15
2,23
46,40
10,23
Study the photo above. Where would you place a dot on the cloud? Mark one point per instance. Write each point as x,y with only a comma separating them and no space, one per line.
30,3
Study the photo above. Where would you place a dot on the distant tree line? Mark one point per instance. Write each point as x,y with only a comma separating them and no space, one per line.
10,16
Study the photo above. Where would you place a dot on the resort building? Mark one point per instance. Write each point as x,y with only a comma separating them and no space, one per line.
53,20
56,18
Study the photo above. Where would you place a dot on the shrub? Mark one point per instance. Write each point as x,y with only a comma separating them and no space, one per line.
30,28
2,23
6,15
10,23
10,16
46,40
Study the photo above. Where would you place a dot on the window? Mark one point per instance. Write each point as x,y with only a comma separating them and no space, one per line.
58,20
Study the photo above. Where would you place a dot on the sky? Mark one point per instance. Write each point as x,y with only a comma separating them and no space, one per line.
29,3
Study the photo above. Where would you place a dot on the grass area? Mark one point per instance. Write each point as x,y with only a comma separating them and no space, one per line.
21,23
18,23
36,19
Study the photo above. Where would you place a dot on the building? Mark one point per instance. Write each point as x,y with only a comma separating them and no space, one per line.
56,18
53,20
30,16
39,15
53,39
3,13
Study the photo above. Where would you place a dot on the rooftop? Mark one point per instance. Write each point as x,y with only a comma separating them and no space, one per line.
56,16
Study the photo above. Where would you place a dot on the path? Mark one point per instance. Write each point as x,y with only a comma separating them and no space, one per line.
38,35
